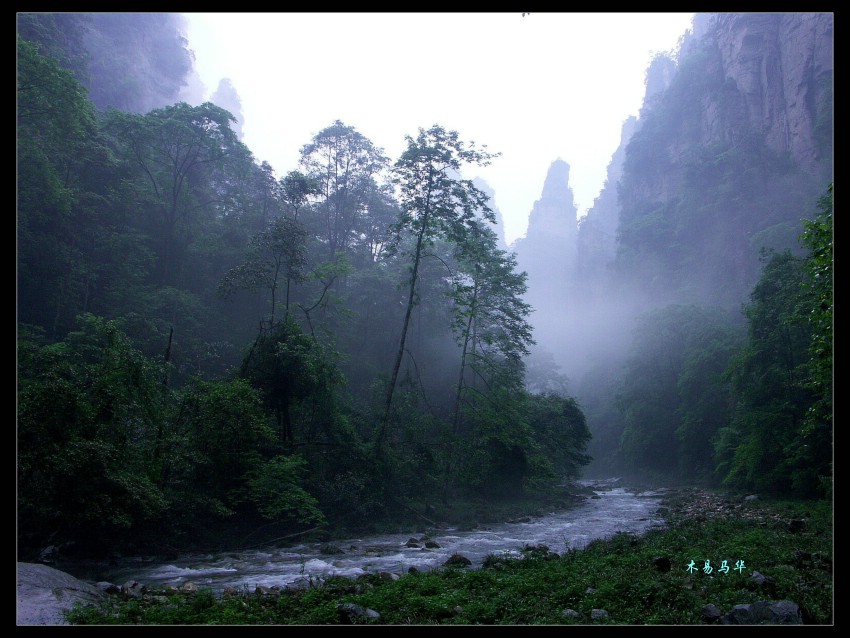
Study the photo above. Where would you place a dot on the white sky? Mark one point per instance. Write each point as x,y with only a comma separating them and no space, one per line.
535,88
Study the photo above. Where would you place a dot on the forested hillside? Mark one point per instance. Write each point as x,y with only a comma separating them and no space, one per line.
207,349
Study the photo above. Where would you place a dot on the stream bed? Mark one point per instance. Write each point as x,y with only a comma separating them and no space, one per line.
611,509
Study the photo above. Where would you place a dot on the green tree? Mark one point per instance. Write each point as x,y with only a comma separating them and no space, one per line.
218,438
705,398
673,398
343,164
174,150
561,432
490,317
296,191
780,439
289,368
276,491
500,455
278,251
649,396
435,204
339,181
63,204
762,445
818,239
90,410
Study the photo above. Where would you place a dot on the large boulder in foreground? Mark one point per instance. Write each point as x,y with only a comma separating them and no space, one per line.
44,593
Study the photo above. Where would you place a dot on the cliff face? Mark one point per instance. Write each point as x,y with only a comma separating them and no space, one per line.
553,217
134,62
782,67
768,75
547,252
732,148
597,234
728,158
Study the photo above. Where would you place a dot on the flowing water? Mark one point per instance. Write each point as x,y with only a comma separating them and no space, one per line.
614,509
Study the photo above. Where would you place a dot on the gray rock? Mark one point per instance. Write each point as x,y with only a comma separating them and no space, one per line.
133,589
599,614
44,593
349,613
388,576
739,615
764,612
767,583
711,613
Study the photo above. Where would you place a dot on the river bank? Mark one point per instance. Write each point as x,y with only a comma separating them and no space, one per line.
785,549
604,511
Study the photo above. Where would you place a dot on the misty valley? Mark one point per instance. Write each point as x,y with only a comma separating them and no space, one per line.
229,377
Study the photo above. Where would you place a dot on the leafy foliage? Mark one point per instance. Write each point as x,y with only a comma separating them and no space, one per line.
291,370
274,253
673,398
780,437
818,239
274,489
89,410
434,204
560,428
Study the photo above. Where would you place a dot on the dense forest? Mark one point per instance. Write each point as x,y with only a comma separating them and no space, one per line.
208,350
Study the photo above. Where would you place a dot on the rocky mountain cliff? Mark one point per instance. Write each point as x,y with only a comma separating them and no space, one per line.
134,62
728,158
547,252
597,232
782,68
732,149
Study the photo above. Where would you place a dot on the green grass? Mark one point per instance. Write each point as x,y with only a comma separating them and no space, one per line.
618,575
